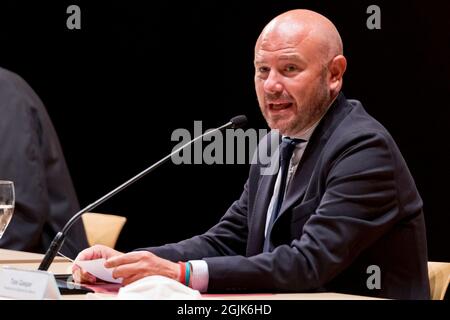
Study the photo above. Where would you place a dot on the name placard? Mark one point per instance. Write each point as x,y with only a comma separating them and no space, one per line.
27,284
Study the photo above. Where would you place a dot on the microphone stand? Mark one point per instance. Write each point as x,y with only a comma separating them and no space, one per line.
55,246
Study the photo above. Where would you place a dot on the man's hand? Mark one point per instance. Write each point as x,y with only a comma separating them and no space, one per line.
136,265
129,266
92,253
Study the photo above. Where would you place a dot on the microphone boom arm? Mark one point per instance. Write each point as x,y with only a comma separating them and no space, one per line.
58,241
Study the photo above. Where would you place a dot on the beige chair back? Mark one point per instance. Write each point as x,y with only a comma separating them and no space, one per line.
103,228
439,276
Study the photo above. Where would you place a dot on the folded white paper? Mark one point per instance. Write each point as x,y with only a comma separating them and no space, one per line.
97,269
157,288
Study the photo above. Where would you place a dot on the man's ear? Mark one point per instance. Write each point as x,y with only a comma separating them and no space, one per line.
337,68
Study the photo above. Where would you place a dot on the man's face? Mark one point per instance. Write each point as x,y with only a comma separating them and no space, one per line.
291,83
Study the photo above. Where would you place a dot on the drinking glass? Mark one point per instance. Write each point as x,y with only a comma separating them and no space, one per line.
7,200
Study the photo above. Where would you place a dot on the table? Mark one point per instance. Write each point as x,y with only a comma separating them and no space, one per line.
31,261
60,265
13,256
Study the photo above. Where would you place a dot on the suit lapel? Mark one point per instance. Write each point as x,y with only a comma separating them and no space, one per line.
301,178
262,201
266,183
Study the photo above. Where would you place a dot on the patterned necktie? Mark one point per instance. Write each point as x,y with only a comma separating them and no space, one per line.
287,147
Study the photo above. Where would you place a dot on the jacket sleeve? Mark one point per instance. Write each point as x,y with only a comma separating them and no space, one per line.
32,157
21,162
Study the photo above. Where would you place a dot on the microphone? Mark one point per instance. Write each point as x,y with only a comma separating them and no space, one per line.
55,246
238,121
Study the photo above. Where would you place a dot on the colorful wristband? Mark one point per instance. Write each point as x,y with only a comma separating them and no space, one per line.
188,273
182,272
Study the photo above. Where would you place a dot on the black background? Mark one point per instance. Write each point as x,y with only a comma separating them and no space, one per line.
117,88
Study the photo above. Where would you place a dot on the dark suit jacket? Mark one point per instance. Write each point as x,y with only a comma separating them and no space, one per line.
31,156
351,204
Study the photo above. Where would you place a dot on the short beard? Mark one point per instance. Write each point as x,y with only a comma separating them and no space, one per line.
315,107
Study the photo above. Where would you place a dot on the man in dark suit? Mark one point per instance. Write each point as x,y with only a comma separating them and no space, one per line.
31,156
341,208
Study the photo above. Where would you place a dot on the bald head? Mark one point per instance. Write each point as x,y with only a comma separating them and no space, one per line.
299,70
296,26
